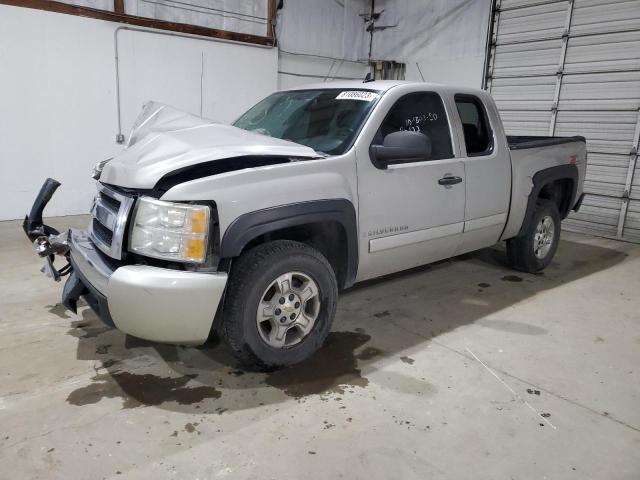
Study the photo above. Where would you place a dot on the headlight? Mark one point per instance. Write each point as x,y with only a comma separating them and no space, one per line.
170,231
98,167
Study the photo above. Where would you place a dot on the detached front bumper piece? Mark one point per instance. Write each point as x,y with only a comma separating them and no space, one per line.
156,304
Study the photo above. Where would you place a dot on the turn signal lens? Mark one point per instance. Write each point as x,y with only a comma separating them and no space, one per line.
199,221
195,248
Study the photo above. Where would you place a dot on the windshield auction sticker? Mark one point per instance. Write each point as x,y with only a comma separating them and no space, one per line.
357,95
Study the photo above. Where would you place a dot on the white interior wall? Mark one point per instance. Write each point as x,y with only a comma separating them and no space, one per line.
331,28
321,41
98,4
217,80
244,16
446,38
440,41
295,70
58,96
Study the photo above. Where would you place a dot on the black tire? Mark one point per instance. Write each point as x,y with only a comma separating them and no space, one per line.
521,249
251,274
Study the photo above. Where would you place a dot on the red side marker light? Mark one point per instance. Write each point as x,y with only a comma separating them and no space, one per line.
573,159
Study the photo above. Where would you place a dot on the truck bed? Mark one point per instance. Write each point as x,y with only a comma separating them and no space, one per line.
520,142
529,155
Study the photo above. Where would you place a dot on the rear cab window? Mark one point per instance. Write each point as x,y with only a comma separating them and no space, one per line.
421,112
478,136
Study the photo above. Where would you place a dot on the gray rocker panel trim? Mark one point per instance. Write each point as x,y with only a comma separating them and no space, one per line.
251,225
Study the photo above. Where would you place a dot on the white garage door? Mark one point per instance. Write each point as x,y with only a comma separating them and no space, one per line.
573,68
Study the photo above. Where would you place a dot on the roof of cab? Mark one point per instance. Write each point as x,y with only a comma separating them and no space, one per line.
378,85
383,86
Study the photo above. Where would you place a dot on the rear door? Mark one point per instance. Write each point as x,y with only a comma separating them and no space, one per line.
488,173
406,217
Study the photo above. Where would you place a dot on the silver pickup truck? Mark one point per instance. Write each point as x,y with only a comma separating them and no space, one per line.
251,229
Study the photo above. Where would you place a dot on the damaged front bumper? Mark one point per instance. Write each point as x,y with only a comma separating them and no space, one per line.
47,241
157,304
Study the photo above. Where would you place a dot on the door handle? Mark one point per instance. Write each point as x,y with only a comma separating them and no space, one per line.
449,180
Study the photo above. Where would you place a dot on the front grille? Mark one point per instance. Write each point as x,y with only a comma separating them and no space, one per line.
111,202
101,232
109,219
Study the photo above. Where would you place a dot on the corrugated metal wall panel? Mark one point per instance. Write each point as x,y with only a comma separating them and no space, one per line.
598,215
605,180
523,93
635,188
530,58
532,22
509,4
632,226
606,131
573,68
601,91
605,16
608,160
526,122
605,52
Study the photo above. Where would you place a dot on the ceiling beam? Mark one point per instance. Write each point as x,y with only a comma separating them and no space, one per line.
121,17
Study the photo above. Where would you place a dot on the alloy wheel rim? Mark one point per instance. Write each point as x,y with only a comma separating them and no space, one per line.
288,310
543,238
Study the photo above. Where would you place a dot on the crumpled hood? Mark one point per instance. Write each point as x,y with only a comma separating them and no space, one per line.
164,139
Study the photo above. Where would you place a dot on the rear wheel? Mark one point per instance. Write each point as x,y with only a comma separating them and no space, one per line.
534,250
280,303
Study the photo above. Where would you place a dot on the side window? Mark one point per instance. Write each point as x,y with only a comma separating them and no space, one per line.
420,112
477,133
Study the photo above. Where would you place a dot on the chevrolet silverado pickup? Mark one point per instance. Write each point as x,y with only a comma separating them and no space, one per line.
250,230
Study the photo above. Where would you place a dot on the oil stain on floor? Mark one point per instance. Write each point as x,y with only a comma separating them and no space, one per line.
329,370
332,369
138,390
511,278
368,353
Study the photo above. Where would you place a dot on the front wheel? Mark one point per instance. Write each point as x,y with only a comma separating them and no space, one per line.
280,303
534,250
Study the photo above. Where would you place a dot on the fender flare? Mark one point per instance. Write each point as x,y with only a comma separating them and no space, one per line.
251,225
544,177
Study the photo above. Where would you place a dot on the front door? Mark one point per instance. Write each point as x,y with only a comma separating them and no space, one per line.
410,214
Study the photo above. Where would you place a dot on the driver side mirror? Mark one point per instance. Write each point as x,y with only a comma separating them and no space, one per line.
401,147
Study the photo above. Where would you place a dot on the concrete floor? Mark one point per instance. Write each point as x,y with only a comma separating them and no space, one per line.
404,388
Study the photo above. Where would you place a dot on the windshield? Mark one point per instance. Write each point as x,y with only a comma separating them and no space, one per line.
325,120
